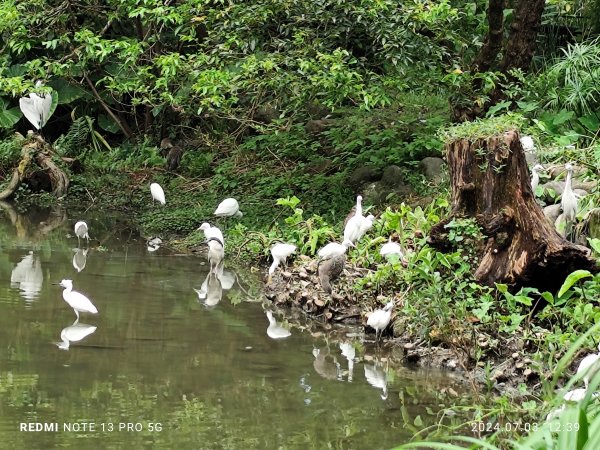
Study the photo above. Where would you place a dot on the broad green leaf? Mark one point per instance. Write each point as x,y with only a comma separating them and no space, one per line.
8,117
572,279
107,124
562,116
595,244
67,92
591,122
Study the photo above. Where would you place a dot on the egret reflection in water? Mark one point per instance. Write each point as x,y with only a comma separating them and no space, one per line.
80,259
349,352
27,275
211,291
377,378
74,333
274,330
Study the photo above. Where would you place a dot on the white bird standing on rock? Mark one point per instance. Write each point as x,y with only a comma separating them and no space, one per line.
76,300
36,108
81,231
380,319
228,208
157,193
280,252
333,249
535,177
275,331
589,366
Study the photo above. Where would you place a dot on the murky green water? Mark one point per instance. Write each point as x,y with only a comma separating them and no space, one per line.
156,368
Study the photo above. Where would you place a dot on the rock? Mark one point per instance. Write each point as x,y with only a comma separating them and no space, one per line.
433,168
552,212
409,345
392,175
362,175
593,224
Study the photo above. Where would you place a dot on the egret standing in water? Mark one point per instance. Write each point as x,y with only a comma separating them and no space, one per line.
228,208
212,232
36,108
275,331
216,253
81,231
535,177
380,319
76,300
280,252
157,193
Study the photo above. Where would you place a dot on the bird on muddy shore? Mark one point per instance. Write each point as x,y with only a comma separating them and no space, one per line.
330,270
173,154
535,177
274,330
589,366
157,193
76,300
36,108
334,249
81,231
228,208
280,253
380,319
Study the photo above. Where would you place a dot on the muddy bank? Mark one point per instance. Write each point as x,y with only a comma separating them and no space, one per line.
501,364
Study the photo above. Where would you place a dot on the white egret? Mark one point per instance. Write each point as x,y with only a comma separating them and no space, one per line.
527,143
377,378
589,366
153,244
535,177
380,319
74,333
366,224
228,208
36,108
76,300
80,259
391,248
275,331
279,252
569,200
81,231
357,226
329,270
334,249
216,253
157,193
212,232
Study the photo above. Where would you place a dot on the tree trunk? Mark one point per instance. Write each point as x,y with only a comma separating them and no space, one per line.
491,183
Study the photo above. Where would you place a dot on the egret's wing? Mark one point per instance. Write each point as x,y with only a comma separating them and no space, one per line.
30,111
43,103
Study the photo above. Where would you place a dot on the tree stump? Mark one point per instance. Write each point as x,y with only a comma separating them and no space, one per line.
491,183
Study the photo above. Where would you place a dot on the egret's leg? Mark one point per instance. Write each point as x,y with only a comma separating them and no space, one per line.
77,314
78,242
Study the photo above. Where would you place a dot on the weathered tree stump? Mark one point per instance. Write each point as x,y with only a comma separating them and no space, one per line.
36,150
491,183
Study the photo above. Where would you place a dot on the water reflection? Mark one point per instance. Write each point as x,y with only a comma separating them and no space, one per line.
28,277
349,352
74,333
274,330
211,291
377,378
326,365
80,259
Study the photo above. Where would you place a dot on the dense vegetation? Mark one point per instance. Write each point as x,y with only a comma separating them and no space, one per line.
278,102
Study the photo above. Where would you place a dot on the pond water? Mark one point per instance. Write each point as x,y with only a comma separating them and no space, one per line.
158,368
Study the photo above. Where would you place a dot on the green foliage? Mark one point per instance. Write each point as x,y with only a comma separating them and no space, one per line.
484,128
